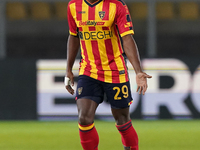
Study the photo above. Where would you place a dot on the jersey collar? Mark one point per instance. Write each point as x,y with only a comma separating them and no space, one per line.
92,4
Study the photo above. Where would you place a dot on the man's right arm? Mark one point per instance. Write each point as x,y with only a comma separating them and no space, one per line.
73,46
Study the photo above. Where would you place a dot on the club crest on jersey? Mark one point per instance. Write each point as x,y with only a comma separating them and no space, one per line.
80,90
102,14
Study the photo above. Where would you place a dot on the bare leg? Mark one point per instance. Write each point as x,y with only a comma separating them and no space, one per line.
87,131
121,116
86,111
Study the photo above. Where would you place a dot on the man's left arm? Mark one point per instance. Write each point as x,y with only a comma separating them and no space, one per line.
131,51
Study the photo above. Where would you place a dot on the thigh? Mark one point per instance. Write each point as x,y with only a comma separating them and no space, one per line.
118,94
86,110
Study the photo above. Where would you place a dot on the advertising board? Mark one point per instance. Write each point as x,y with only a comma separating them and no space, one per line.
173,91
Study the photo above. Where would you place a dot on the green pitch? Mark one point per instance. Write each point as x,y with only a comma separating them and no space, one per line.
153,135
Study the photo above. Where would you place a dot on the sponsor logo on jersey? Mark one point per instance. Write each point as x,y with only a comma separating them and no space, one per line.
93,35
91,23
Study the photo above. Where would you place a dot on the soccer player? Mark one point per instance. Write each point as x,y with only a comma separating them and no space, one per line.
103,29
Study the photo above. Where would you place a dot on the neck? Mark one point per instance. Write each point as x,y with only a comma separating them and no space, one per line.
92,1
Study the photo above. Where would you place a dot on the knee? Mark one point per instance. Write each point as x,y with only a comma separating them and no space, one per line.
86,111
121,116
122,120
85,119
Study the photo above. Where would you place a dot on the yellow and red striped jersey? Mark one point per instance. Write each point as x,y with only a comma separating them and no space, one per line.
99,26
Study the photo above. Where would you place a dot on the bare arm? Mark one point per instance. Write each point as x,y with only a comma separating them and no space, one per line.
73,45
132,53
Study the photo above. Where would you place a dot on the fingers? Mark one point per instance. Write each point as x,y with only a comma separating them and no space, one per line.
148,76
142,89
72,81
69,89
138,87
142,84
68,82
141,79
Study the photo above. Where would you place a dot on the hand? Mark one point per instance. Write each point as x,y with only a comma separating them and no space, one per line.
69,82
141,80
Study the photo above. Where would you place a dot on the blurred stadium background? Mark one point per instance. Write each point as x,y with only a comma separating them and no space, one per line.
33,35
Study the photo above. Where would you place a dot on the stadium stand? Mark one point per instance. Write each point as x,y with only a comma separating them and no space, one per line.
16,11
61,10
165,10
189,10
32,37
40,11
138,10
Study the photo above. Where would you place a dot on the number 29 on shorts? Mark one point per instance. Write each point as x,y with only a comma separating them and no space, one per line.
124,91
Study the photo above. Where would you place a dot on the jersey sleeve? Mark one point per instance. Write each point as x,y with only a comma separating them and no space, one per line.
123,20
71,22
